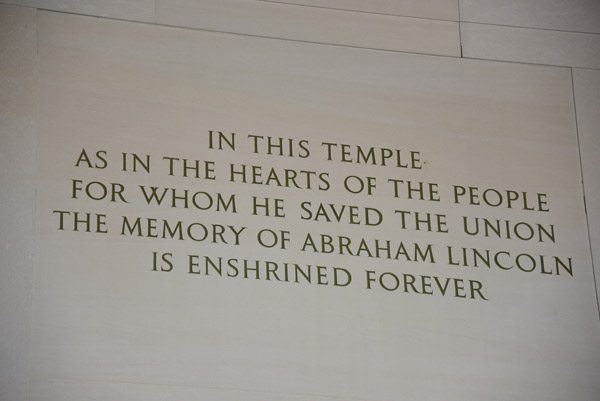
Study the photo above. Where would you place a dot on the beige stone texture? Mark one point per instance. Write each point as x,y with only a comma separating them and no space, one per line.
18,77
526,45
311,24
435,9
105,325
132,10
587,99
572,15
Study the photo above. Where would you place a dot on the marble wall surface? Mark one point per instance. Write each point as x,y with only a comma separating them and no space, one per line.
523,75
18,83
